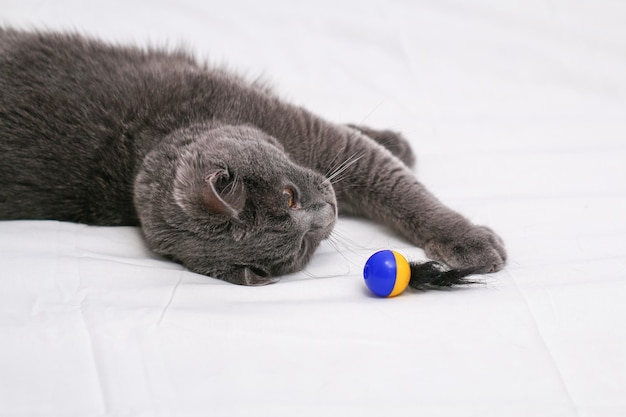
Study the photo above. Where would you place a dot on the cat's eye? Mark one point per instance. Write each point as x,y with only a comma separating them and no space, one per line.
290,197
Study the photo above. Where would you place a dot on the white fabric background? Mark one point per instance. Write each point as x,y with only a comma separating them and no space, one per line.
517,111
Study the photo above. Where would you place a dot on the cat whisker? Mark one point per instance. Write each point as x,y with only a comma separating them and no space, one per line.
340,176
332,164
335,244
337,169
338,238
374,109
343,167
335,166
308,274
336,179
313,276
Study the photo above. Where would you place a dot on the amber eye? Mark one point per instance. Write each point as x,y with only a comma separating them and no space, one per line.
290,197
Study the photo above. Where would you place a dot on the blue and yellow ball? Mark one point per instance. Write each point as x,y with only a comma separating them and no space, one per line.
387,273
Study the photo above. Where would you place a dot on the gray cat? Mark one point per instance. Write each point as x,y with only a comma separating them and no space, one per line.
221,174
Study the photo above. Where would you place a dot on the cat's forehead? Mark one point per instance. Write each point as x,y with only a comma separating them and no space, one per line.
259,156
246,149
245,152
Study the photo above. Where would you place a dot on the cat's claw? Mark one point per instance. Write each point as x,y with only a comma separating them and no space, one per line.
478,248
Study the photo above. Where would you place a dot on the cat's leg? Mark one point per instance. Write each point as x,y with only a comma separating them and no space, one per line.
393,141
377,185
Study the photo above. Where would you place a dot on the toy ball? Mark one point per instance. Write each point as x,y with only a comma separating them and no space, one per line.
387,273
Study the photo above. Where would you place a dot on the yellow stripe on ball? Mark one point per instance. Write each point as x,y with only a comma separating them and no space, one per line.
403,274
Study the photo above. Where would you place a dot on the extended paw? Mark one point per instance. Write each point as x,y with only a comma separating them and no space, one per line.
478,248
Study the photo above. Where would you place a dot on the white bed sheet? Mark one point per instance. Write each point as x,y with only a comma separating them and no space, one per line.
517,111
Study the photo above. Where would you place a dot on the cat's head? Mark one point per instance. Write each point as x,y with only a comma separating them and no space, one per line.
227,202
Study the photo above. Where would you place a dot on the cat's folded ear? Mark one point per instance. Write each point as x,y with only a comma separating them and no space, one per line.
224,193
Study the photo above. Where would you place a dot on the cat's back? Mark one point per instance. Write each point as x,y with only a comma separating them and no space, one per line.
67,89
70,74
72,111
77,115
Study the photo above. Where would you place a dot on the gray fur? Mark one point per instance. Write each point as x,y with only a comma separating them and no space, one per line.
202,160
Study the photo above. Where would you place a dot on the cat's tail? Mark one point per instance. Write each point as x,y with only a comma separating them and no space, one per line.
433,275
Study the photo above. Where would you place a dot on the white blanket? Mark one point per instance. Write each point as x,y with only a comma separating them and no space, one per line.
517,111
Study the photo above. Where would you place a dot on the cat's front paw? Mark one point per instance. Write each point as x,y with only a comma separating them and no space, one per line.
479,248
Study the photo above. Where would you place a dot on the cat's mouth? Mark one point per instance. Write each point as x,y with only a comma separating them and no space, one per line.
290,258
260,272
304,247
312,239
